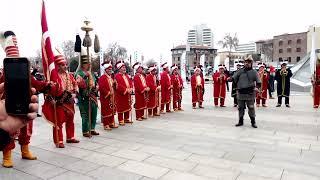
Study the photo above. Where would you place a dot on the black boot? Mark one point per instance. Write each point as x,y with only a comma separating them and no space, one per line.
253,122
240,123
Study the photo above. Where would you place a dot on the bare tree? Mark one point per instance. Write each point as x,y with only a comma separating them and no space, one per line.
267,51
150,62
68,49
36,61
229,42
115,52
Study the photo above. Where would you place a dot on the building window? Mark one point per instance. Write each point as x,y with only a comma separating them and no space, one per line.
289,59
299,41
178,59
280,51
280,59
298,58
289,50
298,49
289,42
280,43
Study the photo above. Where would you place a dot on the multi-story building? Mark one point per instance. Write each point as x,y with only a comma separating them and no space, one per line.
290,47
200,35
193,56
265,48
249,48
285,47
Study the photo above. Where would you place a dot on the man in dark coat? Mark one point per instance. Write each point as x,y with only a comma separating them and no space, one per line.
234,85
282,77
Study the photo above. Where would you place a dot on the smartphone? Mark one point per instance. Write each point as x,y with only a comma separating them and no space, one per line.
17,87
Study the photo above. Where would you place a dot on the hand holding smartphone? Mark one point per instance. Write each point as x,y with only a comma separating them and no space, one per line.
17,85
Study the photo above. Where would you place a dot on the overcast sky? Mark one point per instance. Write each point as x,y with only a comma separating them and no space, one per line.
154,26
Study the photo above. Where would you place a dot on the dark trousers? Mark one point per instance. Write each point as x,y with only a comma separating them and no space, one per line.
286,99
235,100
242,106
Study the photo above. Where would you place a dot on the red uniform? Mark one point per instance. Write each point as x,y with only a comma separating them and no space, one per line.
153,94
219,88
123,98
107,100
264,77
197,87
177,85
65,108
165,91
316,86
141,96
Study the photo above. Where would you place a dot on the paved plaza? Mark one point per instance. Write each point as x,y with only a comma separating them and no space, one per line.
196,144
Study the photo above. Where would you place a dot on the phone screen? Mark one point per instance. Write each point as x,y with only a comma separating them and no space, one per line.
17,86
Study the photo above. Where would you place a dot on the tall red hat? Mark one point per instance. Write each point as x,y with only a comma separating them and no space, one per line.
9,44
59,59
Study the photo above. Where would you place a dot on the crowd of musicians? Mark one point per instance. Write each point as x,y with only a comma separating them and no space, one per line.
144,91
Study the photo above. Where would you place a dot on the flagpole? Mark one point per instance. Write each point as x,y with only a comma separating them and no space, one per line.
49,69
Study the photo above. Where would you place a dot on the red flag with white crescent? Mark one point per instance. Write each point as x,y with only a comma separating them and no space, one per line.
49,70
47,55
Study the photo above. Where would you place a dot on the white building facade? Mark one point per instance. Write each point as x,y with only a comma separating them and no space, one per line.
200,35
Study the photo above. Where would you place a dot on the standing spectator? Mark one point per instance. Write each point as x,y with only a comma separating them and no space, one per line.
282,77
272,74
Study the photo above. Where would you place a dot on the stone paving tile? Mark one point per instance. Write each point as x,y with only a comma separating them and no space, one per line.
251,177
279,155
72,175
87,145
174,164
241,156
146,178
53,158
203,151
82,166
303,146
217,173
133,155
162,144
107,150
126,145
259,170
288,165
102,140
13,174
176,175
291,175
68,150
251,169
143,169
20,163
175,154
43,170
107,173
212,161
104,159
